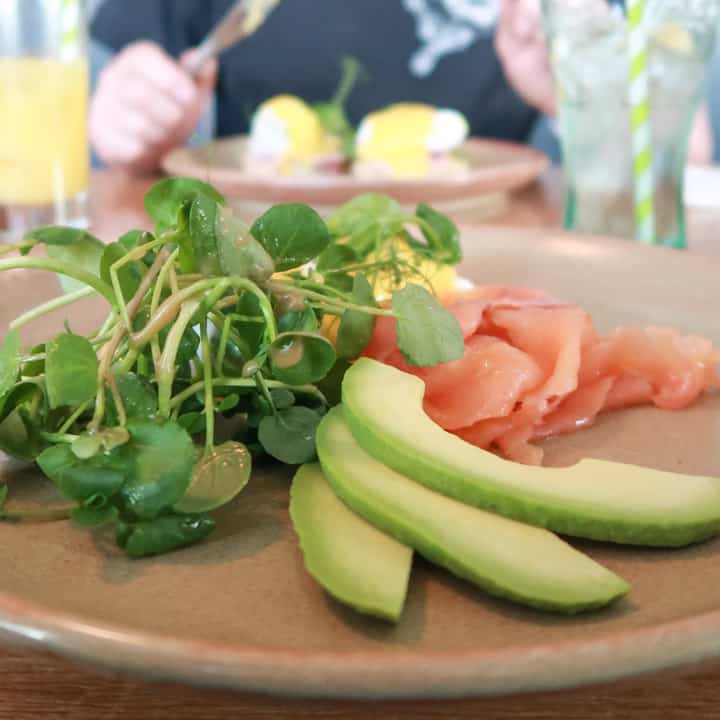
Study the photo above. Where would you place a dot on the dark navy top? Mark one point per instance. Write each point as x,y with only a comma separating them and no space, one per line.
434,51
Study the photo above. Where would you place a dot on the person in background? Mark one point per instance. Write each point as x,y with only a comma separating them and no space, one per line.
485,58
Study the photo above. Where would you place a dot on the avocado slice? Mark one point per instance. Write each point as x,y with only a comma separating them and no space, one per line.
356,563
509,559
594,499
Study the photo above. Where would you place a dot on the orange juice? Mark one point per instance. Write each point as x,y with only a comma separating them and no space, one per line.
43,130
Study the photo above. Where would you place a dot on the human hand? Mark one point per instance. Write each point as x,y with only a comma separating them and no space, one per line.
520,44
145,104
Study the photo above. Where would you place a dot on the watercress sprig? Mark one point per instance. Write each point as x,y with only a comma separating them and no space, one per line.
208,320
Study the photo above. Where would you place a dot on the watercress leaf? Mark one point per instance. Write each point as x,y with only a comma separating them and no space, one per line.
193,422
79,479
249,336
445,240
336,256
166,198
218,477
21,394
356,327
35,367
58,235
367,220
129,275
160,458
9,361
86,445
228,403
18,437
71,369
138,396
84,251
289,435
298,320
332,114
292,234
282,398
331,385
298,358
240,253
355,214
131,239
201,226
181,235
428,334
340,281
91,517
166,533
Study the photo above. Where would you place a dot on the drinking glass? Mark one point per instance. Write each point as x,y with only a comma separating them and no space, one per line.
588,42
44,155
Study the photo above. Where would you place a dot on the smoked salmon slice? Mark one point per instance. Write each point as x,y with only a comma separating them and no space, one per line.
534,367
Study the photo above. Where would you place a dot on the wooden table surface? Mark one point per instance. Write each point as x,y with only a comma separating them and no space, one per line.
40,686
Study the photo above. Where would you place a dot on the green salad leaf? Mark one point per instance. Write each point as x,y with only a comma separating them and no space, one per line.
356,327
71,369
289,435
217,478
298,357
159,458
428,334
167,198
9,362
292,234
163,534
152,420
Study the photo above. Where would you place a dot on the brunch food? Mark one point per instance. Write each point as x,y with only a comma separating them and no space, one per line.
409,411
289,137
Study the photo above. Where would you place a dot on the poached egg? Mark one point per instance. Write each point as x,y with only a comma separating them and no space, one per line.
286,136
404,138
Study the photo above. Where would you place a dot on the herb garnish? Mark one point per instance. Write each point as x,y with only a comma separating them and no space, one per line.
208,320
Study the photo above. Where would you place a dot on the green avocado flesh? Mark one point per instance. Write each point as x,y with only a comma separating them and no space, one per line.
509,559
594,499
356,563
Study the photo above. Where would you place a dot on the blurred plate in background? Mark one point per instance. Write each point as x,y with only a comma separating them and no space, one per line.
495,167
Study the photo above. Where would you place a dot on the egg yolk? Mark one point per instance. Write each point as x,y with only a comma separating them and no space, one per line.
306,135
398,136
436,277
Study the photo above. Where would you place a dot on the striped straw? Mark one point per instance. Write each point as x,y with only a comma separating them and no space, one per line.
70,40
640,117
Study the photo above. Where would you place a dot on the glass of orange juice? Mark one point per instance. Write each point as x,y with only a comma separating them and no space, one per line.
44,151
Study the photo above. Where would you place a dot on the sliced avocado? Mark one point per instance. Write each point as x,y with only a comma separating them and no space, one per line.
510,559
356,563
594,499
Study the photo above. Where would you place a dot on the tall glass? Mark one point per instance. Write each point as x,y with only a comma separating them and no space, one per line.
588,41
44,155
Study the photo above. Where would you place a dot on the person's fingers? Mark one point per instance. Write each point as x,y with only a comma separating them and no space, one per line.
144,104
141,95
507,13
164,73
140,125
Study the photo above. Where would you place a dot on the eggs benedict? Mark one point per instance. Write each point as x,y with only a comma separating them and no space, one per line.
410,140
287,137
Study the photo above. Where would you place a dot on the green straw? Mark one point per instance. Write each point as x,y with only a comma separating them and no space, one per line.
71,13
641,130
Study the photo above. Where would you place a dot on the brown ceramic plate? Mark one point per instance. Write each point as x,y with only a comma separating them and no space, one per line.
240,610
495,167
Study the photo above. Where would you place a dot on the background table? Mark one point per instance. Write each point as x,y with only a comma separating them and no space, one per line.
40,686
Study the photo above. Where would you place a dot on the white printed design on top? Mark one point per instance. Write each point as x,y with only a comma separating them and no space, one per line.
448,26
